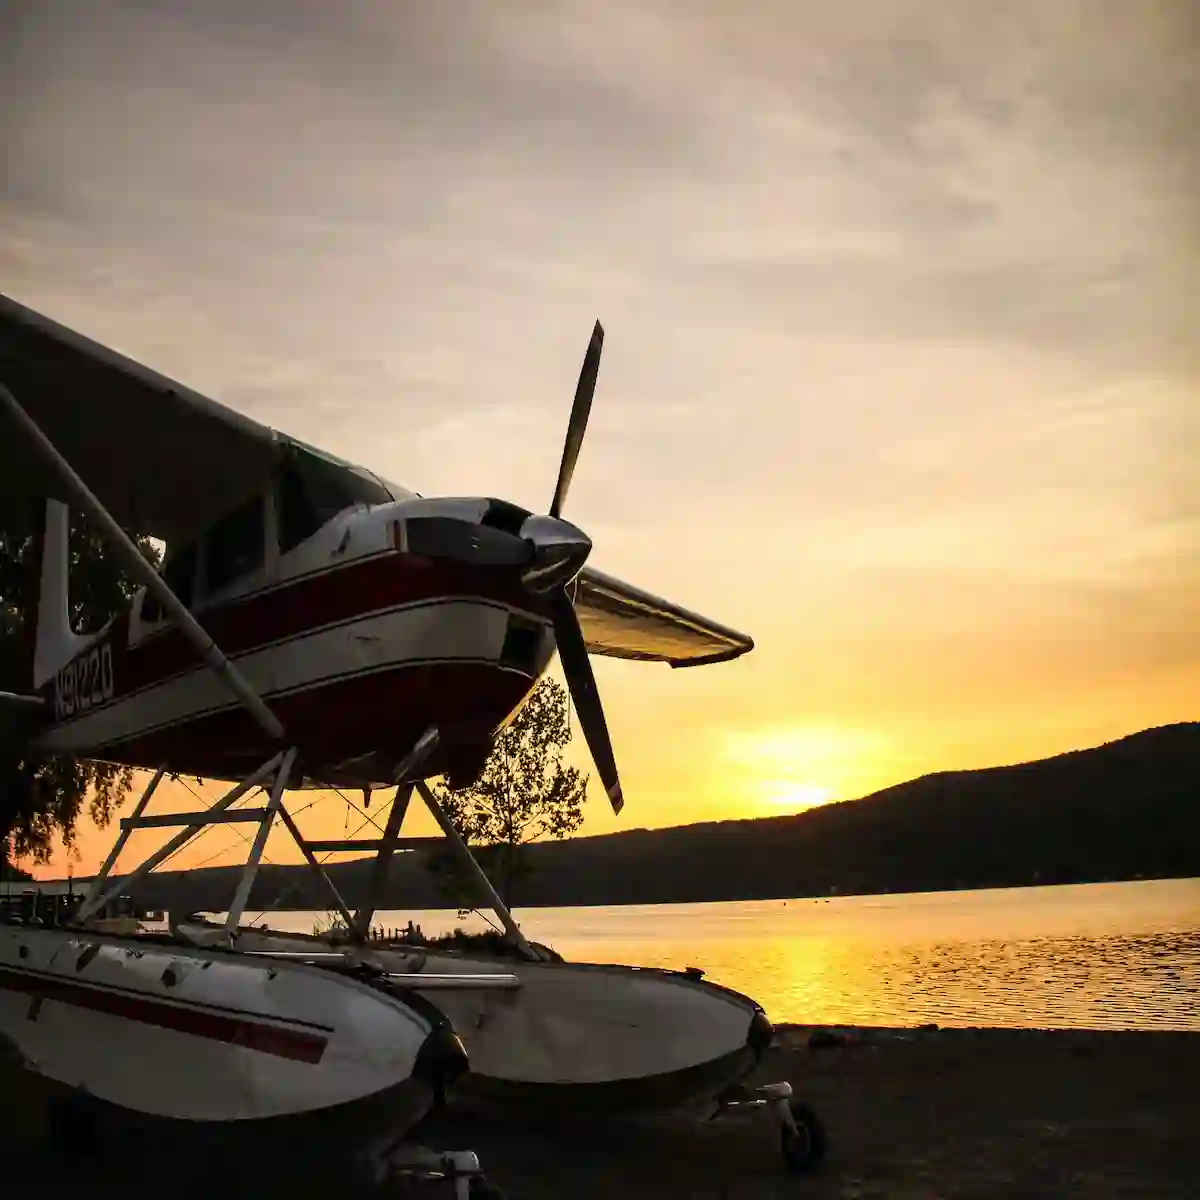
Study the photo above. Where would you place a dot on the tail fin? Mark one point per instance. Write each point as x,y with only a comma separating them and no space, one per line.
55,642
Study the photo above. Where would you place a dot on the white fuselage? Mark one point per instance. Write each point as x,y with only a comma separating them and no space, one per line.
389,643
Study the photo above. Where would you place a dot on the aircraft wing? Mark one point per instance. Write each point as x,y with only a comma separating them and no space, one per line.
621,621
161,458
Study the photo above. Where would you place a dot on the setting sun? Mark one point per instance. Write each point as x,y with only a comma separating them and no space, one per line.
797,797
793,768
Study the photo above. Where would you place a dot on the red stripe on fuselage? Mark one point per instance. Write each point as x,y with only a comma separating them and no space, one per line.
296,1044
313,601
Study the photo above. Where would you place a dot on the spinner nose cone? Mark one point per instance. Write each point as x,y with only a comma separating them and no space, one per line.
559,551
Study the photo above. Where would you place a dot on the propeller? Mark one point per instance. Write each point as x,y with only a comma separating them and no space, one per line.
561,550
550,552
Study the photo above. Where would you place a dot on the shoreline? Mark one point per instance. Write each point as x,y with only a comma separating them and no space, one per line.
81,881
911,1113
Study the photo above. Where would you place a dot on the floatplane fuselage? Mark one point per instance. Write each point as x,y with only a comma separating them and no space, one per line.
357,645
314,625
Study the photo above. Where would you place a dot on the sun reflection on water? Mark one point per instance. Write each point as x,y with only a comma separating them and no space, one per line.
1095,956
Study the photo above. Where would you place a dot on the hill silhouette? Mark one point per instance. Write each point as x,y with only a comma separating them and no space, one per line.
1127,809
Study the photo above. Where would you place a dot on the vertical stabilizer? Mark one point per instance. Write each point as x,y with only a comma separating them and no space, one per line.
56,642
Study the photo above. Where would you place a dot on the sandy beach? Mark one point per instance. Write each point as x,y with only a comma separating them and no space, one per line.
910,1114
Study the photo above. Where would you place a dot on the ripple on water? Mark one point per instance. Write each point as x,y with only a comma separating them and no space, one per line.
1139,982
1095,956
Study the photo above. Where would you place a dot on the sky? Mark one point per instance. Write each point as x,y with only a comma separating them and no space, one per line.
901,366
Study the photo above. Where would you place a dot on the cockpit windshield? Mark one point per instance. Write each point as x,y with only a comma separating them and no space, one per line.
314,488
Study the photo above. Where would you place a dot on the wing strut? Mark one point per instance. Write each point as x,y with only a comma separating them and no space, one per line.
140,568
463,851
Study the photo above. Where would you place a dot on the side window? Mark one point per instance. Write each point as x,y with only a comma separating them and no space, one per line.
179,573
234,546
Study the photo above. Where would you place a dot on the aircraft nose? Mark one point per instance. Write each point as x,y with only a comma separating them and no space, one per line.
559,551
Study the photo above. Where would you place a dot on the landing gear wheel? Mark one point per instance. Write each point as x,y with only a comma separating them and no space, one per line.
804,1147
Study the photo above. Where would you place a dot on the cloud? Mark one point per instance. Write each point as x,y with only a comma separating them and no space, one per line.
871,173
900,368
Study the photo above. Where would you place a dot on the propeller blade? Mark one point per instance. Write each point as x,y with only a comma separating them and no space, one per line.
581,683
577,425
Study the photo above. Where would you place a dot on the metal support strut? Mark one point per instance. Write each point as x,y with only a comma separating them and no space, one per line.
408,775
260,841
88,906
309,857
99,896
279,771
387,846
476,872
412,763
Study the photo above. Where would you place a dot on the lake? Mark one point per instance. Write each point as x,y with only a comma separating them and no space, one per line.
1088,956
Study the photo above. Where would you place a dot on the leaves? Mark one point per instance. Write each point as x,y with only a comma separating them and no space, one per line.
40,798
524,793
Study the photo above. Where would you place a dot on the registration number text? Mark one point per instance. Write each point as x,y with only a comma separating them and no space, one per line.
84,682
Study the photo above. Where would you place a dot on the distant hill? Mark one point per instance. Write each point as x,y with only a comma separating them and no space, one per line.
1128,809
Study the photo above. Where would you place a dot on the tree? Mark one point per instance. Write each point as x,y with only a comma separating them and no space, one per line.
524,792
11,874
41,797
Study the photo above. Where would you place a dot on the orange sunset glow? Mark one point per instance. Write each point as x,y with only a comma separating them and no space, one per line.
900,376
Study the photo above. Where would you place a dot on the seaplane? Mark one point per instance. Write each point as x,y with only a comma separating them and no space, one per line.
315,625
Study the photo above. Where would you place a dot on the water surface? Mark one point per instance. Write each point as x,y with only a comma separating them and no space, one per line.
1096,956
